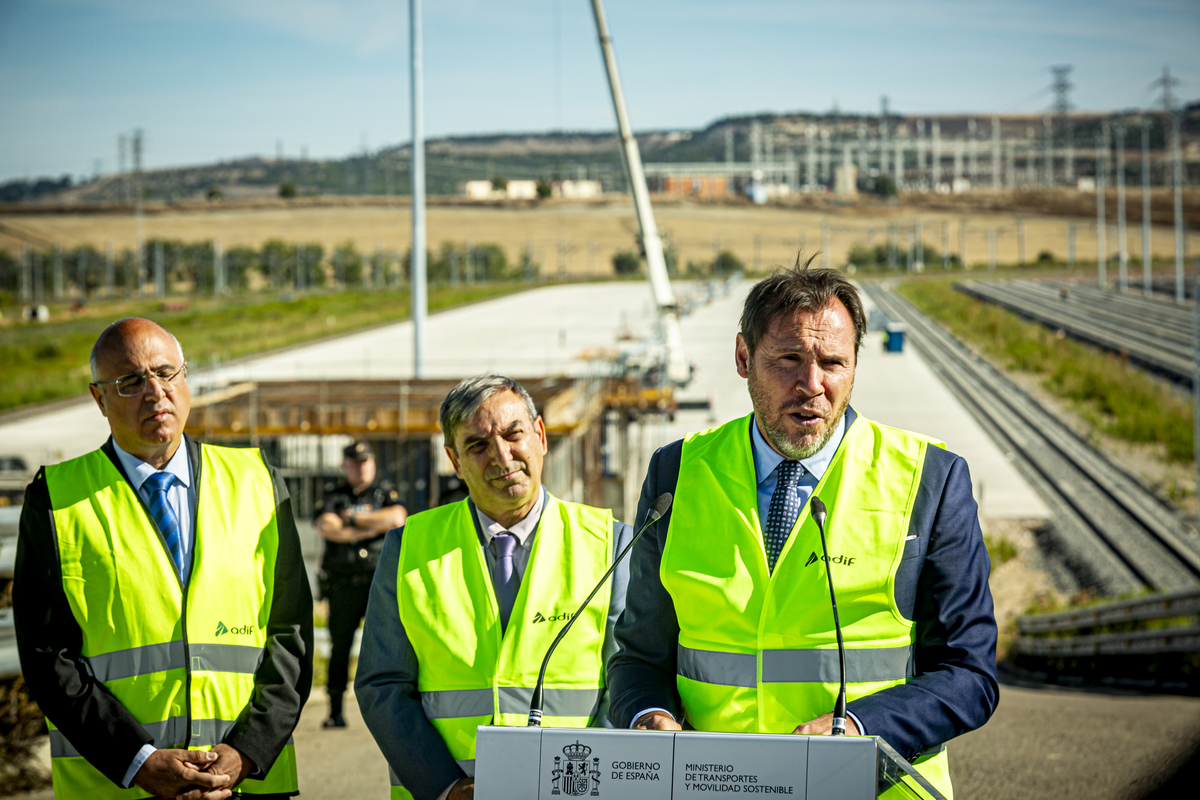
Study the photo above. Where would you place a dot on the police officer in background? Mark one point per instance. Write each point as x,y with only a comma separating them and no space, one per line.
355,516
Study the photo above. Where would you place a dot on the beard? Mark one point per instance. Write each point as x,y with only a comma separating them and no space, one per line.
793,446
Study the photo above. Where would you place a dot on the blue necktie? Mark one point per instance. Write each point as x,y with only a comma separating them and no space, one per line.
504,577
164,516
785,507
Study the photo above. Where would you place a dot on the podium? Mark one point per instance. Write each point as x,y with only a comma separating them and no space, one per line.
560,763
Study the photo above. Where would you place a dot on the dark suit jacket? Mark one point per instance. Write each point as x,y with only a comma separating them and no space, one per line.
941,585
386,680
96,723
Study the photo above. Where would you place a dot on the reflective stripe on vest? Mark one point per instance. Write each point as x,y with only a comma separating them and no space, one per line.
795,666
757,649
470,674
455,703
180,659
169,655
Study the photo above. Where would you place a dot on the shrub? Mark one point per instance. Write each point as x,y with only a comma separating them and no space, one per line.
627,262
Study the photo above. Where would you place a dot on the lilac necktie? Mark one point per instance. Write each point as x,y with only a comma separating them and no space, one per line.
504,575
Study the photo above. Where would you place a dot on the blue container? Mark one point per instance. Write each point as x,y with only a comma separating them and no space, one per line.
895,338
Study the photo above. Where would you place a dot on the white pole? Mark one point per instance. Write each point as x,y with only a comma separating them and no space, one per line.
1147,253
26,290
140,257
898,164
418,277
1196,373
936,158
995,152
1122,248
1101,247
1178,169
57,274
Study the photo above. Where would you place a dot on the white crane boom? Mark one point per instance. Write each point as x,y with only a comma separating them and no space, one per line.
677,369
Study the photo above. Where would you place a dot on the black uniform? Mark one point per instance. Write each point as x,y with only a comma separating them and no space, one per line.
346,573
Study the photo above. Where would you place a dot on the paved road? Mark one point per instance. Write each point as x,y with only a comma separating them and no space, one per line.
1067,744
1042,743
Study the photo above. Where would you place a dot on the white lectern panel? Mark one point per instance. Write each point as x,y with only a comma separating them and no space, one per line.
841,767
726,764
506,763
594,762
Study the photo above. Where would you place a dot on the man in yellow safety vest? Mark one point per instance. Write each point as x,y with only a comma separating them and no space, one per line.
163,613
728,624
468,596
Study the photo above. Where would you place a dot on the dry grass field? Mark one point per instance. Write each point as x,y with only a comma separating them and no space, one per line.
579,238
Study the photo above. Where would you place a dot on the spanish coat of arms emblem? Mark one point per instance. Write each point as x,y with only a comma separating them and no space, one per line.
573,775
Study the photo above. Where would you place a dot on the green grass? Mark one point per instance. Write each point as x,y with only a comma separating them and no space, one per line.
42,362
1119,400
1000,550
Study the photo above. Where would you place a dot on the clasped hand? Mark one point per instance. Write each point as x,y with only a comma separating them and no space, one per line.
194,774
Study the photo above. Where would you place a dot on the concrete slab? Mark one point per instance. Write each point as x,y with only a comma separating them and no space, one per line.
546,331
543,331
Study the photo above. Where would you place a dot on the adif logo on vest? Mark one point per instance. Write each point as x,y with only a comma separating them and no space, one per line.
560,617
844,560
245,630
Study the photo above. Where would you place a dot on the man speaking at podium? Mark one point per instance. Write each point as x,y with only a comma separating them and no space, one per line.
728,624
468,597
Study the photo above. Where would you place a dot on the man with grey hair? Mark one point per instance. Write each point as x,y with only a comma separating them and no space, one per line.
163,614
468,597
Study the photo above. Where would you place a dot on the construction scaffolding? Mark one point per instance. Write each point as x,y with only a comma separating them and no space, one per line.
302,427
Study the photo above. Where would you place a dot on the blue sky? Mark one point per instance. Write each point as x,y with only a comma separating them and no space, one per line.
213,79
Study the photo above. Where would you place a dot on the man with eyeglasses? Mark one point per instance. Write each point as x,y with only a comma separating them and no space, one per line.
163,613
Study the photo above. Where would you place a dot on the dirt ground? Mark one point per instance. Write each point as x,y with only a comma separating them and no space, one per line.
578,238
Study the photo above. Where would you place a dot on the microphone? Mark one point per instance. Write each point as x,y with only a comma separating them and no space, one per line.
839,708
657,509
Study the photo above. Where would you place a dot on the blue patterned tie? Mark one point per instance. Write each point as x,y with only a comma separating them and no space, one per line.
504,579
164,515
785,507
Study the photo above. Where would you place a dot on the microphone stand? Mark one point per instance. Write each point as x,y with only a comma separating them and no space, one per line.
657,509
839,709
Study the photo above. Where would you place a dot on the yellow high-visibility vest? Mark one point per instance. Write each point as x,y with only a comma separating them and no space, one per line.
757,649
180,657
471,673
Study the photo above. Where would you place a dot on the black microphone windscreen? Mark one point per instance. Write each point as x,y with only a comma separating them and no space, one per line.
663,502
818,508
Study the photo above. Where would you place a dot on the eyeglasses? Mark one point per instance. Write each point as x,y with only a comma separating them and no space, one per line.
134,384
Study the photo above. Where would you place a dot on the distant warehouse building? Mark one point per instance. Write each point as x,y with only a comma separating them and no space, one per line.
528,190
508,190
692,185
577,190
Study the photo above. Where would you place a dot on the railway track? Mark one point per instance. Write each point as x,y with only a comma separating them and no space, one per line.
1151,332
1110,532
